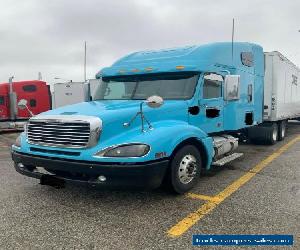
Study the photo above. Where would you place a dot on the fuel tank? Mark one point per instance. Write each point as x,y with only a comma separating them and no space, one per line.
224,145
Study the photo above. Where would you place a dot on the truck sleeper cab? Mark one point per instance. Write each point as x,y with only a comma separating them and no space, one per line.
156,116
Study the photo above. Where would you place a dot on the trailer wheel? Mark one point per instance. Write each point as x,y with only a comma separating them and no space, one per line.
271,135
281,130
185,169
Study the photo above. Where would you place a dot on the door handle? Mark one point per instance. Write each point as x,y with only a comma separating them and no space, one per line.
214,107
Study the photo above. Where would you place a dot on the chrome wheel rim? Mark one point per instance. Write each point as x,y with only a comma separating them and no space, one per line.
283,132
187,169
275,132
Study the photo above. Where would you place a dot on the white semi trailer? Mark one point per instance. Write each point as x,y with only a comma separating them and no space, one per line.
281,97
68,93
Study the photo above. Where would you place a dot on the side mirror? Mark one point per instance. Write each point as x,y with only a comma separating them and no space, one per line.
22,104
232,87
154,101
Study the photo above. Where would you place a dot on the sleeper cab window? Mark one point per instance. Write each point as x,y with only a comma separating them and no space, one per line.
247,59
212,86
29,88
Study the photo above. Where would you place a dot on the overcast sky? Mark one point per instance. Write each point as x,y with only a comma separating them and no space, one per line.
48,36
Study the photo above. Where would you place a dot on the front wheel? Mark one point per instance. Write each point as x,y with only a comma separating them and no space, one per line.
185,169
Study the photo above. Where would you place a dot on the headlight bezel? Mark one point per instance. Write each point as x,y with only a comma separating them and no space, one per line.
130,150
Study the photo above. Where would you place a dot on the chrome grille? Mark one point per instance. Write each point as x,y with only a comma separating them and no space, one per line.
65,134
64,131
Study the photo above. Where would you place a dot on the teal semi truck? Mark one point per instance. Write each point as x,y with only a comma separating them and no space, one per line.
163,116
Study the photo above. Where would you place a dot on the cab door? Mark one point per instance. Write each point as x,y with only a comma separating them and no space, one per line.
4,102
211,103
3,107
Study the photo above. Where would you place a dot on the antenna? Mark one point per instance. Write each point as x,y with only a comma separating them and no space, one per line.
84,66
232,39
40,76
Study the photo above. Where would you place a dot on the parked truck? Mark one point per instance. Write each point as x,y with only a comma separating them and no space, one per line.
163,117
35,92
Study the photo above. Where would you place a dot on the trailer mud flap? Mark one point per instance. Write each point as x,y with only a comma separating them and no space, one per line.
52,181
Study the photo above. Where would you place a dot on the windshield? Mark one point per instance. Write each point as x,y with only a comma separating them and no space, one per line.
169,86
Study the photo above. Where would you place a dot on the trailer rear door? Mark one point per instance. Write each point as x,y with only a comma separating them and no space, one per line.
69,93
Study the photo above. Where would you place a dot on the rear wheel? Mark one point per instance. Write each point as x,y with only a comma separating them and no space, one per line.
185,169
281,130
266,133
271,136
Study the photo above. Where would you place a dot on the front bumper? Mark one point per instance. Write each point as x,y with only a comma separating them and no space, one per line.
143,175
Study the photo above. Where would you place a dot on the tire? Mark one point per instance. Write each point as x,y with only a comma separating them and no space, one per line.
185,169
271,134
281,130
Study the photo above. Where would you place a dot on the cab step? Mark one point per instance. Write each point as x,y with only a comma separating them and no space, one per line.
226,159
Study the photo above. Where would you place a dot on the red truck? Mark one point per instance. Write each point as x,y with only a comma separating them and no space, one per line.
37,94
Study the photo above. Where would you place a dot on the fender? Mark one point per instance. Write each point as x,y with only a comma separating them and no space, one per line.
182,131
163,140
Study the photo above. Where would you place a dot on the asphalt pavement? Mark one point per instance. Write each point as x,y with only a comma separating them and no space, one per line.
224,202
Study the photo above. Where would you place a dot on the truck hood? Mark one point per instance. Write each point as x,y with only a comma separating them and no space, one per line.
115,113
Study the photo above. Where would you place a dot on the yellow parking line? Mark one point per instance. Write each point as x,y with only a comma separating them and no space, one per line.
202,197
185,224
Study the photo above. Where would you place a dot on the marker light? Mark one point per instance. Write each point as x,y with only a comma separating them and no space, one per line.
148,69
180,67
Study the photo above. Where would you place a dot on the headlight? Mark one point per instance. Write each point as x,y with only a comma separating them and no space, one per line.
126,150
18,141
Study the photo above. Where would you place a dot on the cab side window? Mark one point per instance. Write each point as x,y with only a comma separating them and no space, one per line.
32,103
212,87
2,102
